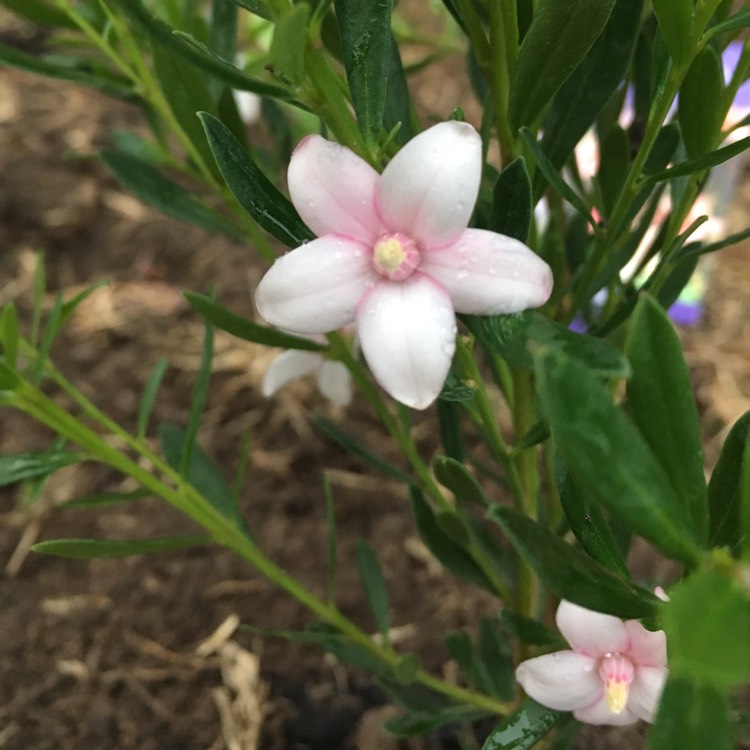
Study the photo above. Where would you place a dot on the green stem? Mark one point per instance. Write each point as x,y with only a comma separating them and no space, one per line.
503,51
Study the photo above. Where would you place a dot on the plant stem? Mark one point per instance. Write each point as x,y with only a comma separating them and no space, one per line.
503,51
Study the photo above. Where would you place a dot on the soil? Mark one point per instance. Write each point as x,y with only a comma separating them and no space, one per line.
114,653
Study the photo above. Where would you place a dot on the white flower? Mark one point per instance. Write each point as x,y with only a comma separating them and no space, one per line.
394,255
614,673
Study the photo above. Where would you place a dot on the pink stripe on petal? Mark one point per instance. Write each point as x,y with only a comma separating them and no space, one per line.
333,190
407,333
316,288
563,680
591,633
429,189
487,273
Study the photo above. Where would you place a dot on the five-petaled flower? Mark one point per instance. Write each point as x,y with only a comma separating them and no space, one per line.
394,255
614,673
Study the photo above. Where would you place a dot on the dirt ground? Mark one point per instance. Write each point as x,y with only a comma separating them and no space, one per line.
107,654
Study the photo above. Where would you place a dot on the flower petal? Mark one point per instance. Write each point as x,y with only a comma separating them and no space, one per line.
487,273
335,383
333,190
407,332
316,288
429,189
599,713
591,633
288,366
645,692
564,680
647,648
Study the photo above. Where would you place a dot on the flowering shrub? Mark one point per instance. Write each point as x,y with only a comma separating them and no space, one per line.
468,257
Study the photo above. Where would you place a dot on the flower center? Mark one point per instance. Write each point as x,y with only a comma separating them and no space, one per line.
617,672
395,256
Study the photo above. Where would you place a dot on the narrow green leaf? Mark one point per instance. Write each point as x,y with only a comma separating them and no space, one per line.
457,478
51,329
511,201
661,403
555,180
713,648
557,41
738,21
451,555
417,723
608,458
9,379
675,19
86,549
40,289
186,91
15,467
373,584
570,573
252,188
692,716
745,503
589,525
398,107
9,334
165,195
693,249
287,53
41,13
332,542
357,448
222,38
451,433
365,28
700,164
515,337
724,489
245,329
699,111
258,7
495,659
530,631
522,729
101,499
77,70
581,98
149,395
614,166
201,472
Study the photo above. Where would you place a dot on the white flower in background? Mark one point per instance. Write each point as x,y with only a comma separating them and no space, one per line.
394,255
613,674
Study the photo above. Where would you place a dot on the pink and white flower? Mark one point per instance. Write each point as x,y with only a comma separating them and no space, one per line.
613,674
395,256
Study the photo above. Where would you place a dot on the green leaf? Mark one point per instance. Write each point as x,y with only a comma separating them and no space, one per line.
15,467
615,162
149,395
675,19
450,554
661,403
406,668
554,179
365,28
165,195
589,525
223,30
515,337
560,35
356,448
745,503
581,98
530,631
724,489
201,472
417,722
511,201
451,433
738,21
712,648
398,106
332,542
246,329
685,168
258,7
570,573
522,729
76,70
461,649
373,583
185,89
255,192
86,549
495,659
696,249
692,716
699,110
287,53
40,13
608,458
457,478
9,379
9,334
